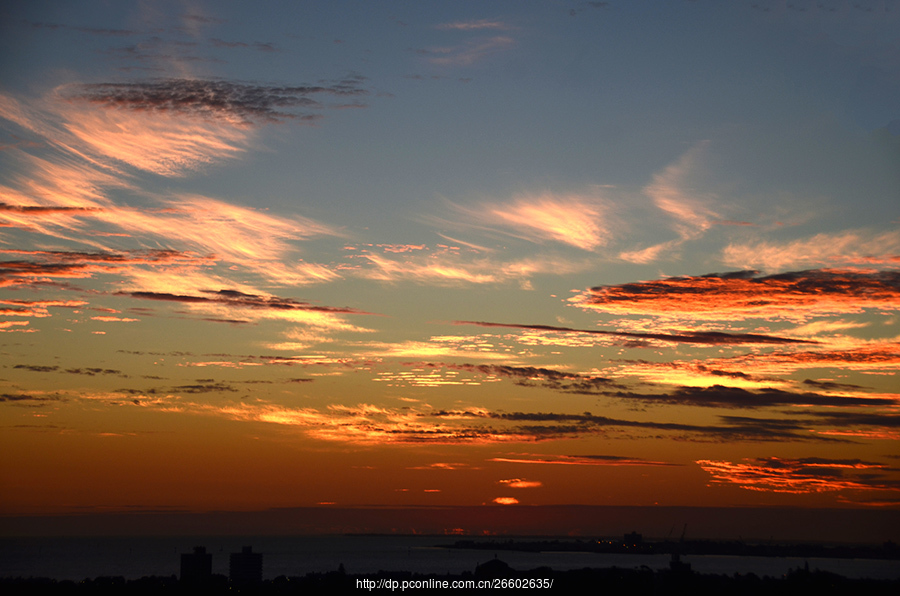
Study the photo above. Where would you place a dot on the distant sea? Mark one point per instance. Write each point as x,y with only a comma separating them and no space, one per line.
132,558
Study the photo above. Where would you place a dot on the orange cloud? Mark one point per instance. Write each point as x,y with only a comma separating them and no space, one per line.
164,144
577,220
795,296
580,460
875,356
697,337
67,194
167,144
436,348
109,319
259,306
506,501
801,476
520,483
233,233
370,424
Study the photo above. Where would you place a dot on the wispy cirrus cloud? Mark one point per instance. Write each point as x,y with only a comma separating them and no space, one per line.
468,52
68,195
691,211
231,232
673,193
579,220
795,296
473,25
102,138
261,46
215,230
650,253
841,249
448,266
100,31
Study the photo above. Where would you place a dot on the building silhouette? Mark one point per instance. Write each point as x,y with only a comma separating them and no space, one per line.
633,539
196,567
245,566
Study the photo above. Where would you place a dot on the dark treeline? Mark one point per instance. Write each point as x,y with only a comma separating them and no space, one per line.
643,581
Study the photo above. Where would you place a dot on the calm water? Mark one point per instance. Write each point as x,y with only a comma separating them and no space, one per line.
79,558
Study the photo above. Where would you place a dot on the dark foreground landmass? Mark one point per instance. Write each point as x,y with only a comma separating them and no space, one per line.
677,580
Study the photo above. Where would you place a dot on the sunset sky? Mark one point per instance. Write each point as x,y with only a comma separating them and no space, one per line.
337,254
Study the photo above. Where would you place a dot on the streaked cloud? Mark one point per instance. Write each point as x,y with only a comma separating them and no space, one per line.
448,266
226,302
32,399
556,426
234,102
423,350
473,25
699,337
579,220
520,482
649,254
467,53
794,296
803,475
44,265
212,226
841,249
579,460
68,195
672,192
875,357
719,396
167,143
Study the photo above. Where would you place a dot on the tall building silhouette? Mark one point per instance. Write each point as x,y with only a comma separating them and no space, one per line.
196,567
245,566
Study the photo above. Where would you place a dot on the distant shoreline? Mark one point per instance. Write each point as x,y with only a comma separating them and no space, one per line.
751,524
886,551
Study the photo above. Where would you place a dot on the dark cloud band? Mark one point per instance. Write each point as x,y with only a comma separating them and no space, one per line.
698,337
227,99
